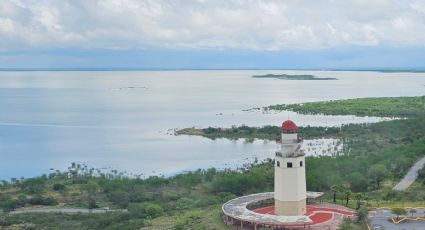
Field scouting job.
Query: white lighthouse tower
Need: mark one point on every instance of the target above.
(289, 174)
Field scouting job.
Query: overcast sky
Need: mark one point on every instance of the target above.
(212, 34)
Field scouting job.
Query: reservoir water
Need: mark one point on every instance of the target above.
(125, 120)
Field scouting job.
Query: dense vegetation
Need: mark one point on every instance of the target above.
(382, 107)
(389, 146)
(293, 77)
(359, 139)
(183, 199)
(34, 221)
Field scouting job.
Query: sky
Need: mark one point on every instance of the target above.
(216, 34)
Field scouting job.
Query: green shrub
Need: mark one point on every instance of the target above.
(58, 187)
(119, 198)
(33, 185)
(137, 210)
(153, 210)
(39, 200)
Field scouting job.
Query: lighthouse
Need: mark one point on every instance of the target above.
(289, 174)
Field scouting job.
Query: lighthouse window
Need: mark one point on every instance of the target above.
(301, 164)
(277, 163)
(289, 164)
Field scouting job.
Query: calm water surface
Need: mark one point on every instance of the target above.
(123, 120)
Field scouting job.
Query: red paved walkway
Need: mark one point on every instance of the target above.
(316, 213)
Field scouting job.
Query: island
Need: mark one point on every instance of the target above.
(293, 77)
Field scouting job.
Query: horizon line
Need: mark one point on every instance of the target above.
(377, 69)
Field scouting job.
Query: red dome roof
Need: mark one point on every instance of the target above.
(289, 125)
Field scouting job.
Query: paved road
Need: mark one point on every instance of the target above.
(64, 210)
(410, 176)
(380, 220)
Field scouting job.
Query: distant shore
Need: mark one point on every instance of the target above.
(294, 77)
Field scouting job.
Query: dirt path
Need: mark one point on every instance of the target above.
(64, 210)
(410, 176)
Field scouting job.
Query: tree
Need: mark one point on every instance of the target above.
(357, 182)
(358, 197)
(398, 211)
(377, 173)
(347, 194)
(366, 198)
(153, 210)
(361, 214)
(92, 203)
(9, 205)
(335, 189)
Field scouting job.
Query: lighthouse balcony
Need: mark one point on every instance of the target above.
(290, 141)
(298, 153)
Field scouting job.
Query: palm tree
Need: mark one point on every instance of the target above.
(366, 198)
(347, 194)
(335, 189)
(358, 197)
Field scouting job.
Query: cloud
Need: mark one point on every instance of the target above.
(214, 24)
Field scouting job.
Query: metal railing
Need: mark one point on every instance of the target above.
(294, 154)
